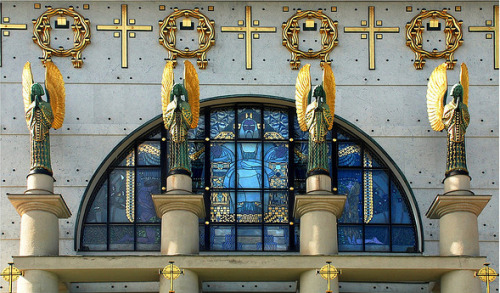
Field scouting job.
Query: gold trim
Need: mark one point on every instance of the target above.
(492, 29)
(4, 29)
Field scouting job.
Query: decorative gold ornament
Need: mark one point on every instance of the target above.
(495, 30)
(206, 36)
(11, 274)
(328, 272)
(372, 31)
(453, 35)
(487, 275)
(81, 35)
(5, 27)
(328, 33)
(171, 272)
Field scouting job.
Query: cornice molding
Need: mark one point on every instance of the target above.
(193, 203)
(52, 203)
(446, 204)
(328, 202)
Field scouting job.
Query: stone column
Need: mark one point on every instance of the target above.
(40, 211)
(457, 210)
(180, 211)
(318, 211)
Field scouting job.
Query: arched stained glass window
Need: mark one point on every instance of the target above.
(249, 161)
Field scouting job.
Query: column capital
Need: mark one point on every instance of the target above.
(52, 203)
(171, 202)
(326, 201)
(445, 204)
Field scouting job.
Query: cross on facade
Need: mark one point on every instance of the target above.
(246, 27)
(491, 26)
(5, 26)
(124, 26)
(11, 274)
(370, 28)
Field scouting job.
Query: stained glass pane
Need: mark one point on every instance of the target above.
(350, 238)
(249, 165)
(199, 131)
(249, 238)
(376, 197)
(275, 124)
(299, 134)
(349, 154)
(276, 207)
(341, 135)
(276, 165)
(222, 238)
(249, 207)
(129, 160)
(148, 183)
(148, 237)
(201, 235)
(121, 237)
(222, 124)
(370, 161)
(94, 238)
(377, 238)
(249, 123)
(297, 237)
(98, 212)
(276, 238)
(121, 196)
(222, 207)
(350, 183)
(197, 155)
(403, 239)
(148, 154)
(399, 208)
(300, 153)
(222, 167)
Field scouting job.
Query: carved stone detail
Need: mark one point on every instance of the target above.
(319, 202)
(445, 204)
(52, 203)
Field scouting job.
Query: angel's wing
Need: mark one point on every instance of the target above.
(167, 83)
(54, 85)
(192, 86)
(464, 81)
(302, 88)
(329, 88)
(436, 90)
(27, 83)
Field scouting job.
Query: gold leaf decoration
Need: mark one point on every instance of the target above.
(436, 90)
(54, 84)
(192, 85)
(302, 88)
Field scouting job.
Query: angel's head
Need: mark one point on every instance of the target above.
(457, 92)
(319, 94)
(36, 91)
(179, 92)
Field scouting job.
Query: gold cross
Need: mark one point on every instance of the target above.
(124, 26)
(490, 28)
(11, 274)
(371, 29)
(5, 26)
(249, 31)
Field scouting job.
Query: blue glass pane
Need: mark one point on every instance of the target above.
(148, 183)
(275, 124)
(222, 124)
(300, 153)
(249, 207)
(98, 212)
(350, 238)
(249, 238)
(276, 238)
(121, 237)
(148, 237)
(403, 239)
(399, 208)
(222, 238)
(202, 237)
(222, 167)
(370, 160)
(199, 131)
(377, 238)
(341, 135)
(129, 160)
(122, 196)
(299, 134)
(296, 239)
(94, 238)
(155, 134)
(376, 197)
(222, 207)
(249, 123)
(349, 154)
(350, 183)
(197, 155)
(276, 207)
(249, 165)
(148, 153)
(276, 165)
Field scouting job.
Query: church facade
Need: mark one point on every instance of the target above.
(286, 177)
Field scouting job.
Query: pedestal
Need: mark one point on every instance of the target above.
(186, 283)
(311, 282)
(462, 281)
(38, 282)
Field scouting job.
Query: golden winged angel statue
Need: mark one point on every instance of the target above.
(454, 117)
(42, 115)
(315, 113)
(181, 110)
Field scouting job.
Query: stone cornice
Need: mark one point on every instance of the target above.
(445, 204)
(319, 202)
(172, 202)
(52, 203)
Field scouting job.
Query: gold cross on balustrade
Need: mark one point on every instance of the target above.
(5, 26)
(491, 26)
(370, 28)
(124, 26)
(246, 27)
(11, 274)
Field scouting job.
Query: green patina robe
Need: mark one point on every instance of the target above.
(40, 119)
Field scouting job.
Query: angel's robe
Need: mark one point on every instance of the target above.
(318, 117)
(456, 119)
(40, 117)
(178, 118)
